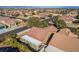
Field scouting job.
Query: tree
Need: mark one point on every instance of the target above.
(43, 24)
(77, 31)
(50, 15)
(77, 17)
(11, 41)
(76, 22)
(13, 35)
(25, 15)
(33, 13)
(59, 23)
(56, 18)
(34, 21)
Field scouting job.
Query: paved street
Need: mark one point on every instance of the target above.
(13, 31)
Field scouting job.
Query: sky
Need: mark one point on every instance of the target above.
(39, 6)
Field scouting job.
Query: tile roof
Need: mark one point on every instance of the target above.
(65, 40)
(41, 33)
(7, 20)
(67, 18)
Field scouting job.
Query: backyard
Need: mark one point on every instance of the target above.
(11, 41)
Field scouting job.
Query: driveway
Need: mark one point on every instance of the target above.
(51, 49)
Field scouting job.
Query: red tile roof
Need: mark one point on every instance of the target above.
(7, 20)
(67, 18)
(41, 33)
(65, 40)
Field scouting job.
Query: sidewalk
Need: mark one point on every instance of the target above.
(51, 49)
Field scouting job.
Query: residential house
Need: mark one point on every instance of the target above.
(73, 13)
(54, 14)
(39, 35)
(19, 22)
(7, 21)
(43, 15)
(69, 21)
(65, 40)
(67, 18)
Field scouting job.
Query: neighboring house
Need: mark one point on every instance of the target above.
(67, 18)
(19, 22)
(7, 21)
(43, 15)
(35, 16)
(39, 35)
(73, 13)
(65, 40)
(54, 14)
(27, 13)
(21, 16)
(69, 21)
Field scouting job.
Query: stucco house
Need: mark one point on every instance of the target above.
(65, 40)
(8, 22)
(38, 35)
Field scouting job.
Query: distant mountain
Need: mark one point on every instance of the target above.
(39, 6)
